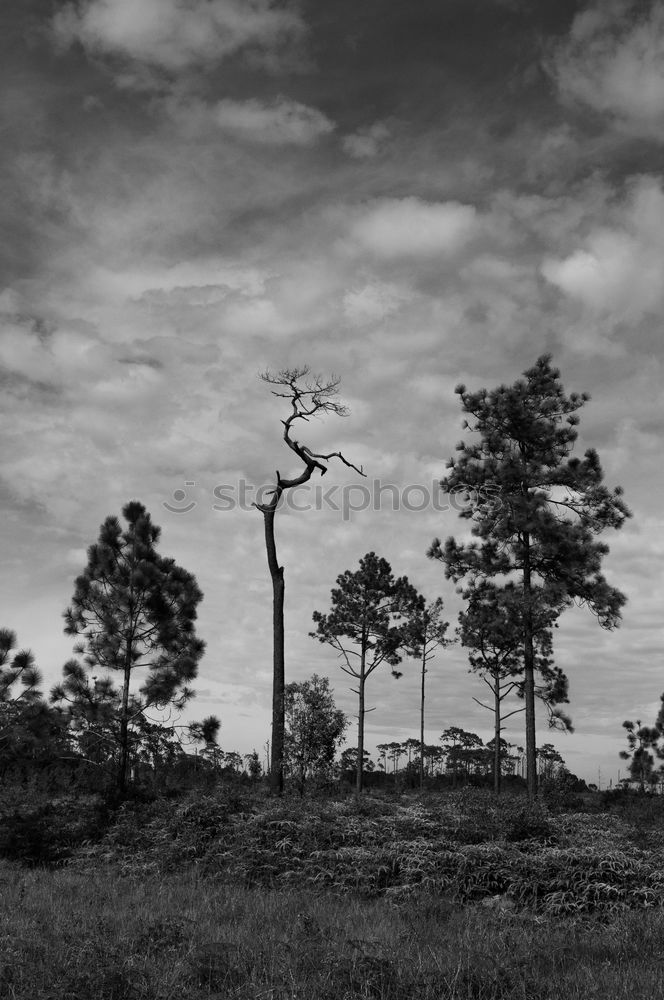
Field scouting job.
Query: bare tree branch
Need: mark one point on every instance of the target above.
(311, 399)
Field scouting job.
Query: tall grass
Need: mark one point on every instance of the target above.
(65, 936)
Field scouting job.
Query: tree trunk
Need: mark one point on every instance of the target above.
(496, 739)
(278, 662)
(360, 730)
(529, 673)
(124, 731)
(424, 663)
(124, 709)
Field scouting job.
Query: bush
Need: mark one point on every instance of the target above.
(48, 832)
(528, 821)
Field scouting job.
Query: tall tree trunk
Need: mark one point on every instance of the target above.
(529, 672)
(124, 708)
(424, 664)
(278, 662)
(124, 731)
(360, 729)
(496, 738)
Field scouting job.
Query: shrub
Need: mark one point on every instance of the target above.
(48, 832)
(528, 821)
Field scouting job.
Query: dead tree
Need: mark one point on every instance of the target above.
(309, 396)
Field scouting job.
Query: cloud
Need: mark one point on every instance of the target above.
(175, 35)
(303, 298)
(613, 62)
(195, 280)
(373, 302)
(366, 142)
(56, 358)
(282, 122)
(616, 271)
(396, 227)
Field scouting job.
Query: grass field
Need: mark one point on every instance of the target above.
(221, 896)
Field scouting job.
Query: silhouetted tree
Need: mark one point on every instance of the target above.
(31, 732)
(549, 760)
(348, 760)
(135, 612)
(412, 747)
(460, 745)
(308, 396)
(502, 752)
(433, 756)
(206, 731)
(642, 741)
(395, 753)
(19, 677)
(368, 626)
(491, 627)
(233, 761)
(254, 766)
(429, 633)
(536, 510)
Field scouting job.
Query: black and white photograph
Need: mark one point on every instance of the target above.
(332, 578)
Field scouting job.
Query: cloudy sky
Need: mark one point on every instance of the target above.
(407, 195)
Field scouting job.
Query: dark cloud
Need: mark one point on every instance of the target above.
(142, 360)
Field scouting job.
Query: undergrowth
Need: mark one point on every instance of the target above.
(467, 848)
(230, 895)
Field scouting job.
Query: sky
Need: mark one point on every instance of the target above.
(404, 196)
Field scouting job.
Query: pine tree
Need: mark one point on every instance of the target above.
(134, 611)
(550, 761)
(19, 677)
(460, 745)
(536, 510)
(491, 628)
(643, 742)
(368, 626)
(429, 633)
(30, 730)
